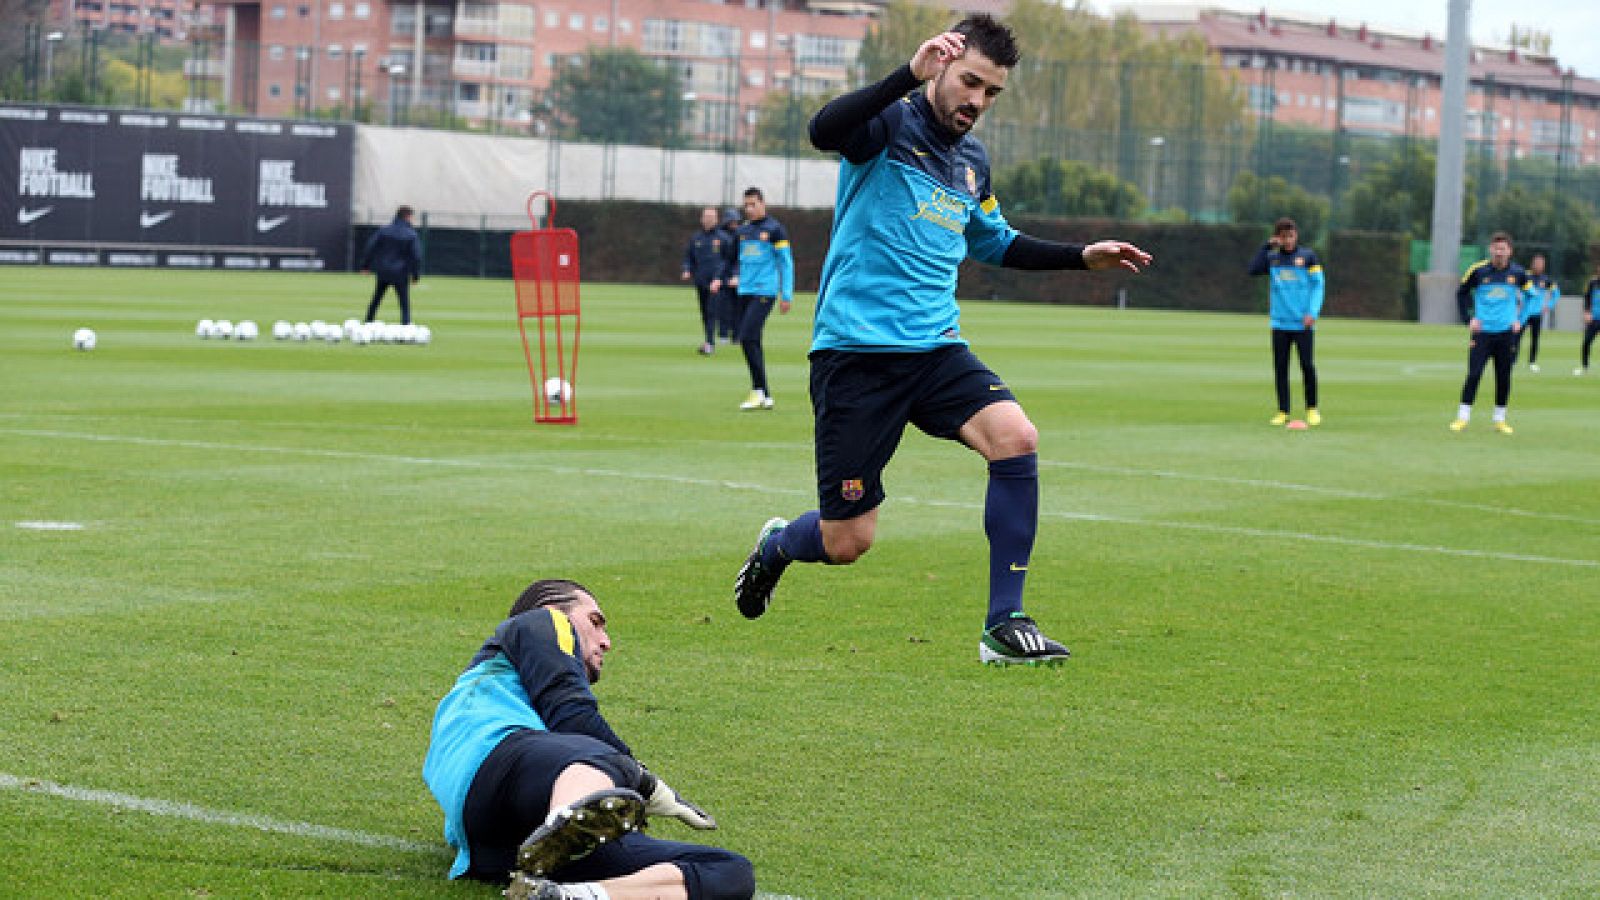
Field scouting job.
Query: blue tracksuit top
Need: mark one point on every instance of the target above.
(709, 256)
(528, 674)
(905, 217)
(393, 253)
(1591, 298)
(1297, 285)
(765, 263)
(1494, 295)
(1540, 296)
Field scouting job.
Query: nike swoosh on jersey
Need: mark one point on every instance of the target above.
(151, 220)
(29, 216)
(264, 224)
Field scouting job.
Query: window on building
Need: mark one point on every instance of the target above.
(475, 51)
(363, 10)
(552, 19)
(601, 23)
(440, 21)
(402, 20)
(275, 52)
(549, 60)
(575, 21)
(280, 11)
(335, 11)
(758, 40)
(468, 92)
(303, 11)
(1316, 101)
(334, 94)
(625, 26)
(830, 52)
(335, 51)
(274, 90)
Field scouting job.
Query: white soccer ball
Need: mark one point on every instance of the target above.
(205, 328)
(319, 328)
(351, 326)
(282, 330)
(332, 335)
(424, 335)
(302, 331)
(83, 339)
(557, 391)
(359, 335)
(223, 329)
(246, 331)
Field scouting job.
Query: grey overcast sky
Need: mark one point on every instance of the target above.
(1574, 25)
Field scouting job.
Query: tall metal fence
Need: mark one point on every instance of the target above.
(1191, 142)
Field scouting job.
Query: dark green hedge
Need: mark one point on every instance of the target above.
(1198, 266)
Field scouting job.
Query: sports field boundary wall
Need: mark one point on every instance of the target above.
(1198, 266)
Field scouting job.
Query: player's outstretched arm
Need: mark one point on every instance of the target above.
(1115, 255)
(848, 124)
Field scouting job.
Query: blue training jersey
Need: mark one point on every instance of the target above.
(765, 260)
(528, 674)
(903, 221)
(1591, 298)
(1298, 285)
(1495, 295)
(1540, 296)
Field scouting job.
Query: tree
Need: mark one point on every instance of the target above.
(1058, 187)
(15, 64)
(1256, 199)
(618, 96)
(782, 129)
(1397, 195)
(1557, 224)
(897, 34)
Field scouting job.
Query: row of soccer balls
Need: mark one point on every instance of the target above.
(353, 330)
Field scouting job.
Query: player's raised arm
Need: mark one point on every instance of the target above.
(849, 123)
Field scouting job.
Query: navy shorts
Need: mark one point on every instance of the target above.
(750, 316)
(510, 797)
(863, 401)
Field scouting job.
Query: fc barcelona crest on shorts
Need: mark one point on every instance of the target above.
(852, 490)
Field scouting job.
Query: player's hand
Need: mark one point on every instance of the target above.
(935, 53)
(733, 282)
(783, 307)
(1588, 318)
(664, 801)
(1274, 242)
(1516, 327)
(1115, 255)
(716, 285)
(1309, 321)
(1475, 325)
(684, 277)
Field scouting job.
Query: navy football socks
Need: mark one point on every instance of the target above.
(1011, 520)
(799, 541)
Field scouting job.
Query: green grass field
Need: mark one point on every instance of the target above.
(1357, 661)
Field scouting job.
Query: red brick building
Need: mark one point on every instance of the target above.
(489, 61)
(1305, 72)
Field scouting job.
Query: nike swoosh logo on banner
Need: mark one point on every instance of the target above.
(151, 220)
(29, 216)
(264, 224)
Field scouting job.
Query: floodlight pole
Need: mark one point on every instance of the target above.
(1436, 288)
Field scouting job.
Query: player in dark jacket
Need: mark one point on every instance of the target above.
(394, 257)
(520, 741)
(706, 261)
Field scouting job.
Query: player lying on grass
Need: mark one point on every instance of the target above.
(536, 787)
(914, 201)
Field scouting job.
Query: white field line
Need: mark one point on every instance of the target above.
(50, 526)
(194, 813)
(1273, 534)
(1317, 489)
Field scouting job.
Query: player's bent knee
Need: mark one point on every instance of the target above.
(719, 875)
(623, 770)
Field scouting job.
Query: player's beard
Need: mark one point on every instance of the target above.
(947, 114)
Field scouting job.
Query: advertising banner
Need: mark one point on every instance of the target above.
(91, 187)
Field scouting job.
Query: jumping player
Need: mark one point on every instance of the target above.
(914, 200)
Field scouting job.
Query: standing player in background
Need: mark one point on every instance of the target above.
(914, 201)
(1591, 320)
(394, 257)
(1543, 293)
(1295, 304)
(728, 297)
(1492, 292)
(764, 274)
(705, 261)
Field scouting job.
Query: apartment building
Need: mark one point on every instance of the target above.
(1321, 72)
